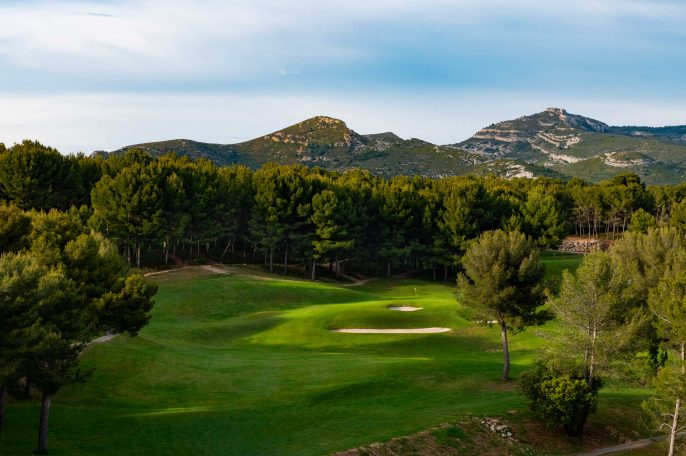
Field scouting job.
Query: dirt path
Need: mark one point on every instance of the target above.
(224, 269)
(355, 281)
(215, 269)
(634, 445)
(167, 271)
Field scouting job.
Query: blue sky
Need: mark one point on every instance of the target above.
(85, 75)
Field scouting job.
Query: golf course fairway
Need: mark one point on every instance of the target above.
(246, 365)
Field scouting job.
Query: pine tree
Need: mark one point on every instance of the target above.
(502, 280)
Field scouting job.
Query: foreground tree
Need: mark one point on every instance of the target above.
(502, 279)
(94, 293)
(68, 286)
(24, 283)
(591, 335)
(644, 259)
(668, 303)
(591, 338)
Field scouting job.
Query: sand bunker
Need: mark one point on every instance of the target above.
(391, 331)
(404, 308)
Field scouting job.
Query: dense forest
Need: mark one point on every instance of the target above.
(172, 210)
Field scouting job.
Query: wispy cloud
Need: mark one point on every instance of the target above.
(92, 13)
(612, 51)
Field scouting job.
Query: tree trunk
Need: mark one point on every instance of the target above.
(591, 361)
(221, 260)
(506, 351)
(138, 255)
(43, 424)
(677, 404)
(388, 269)
(675, 424)
(314, 268)
(271, 260)
(2, 407)
(285, 261)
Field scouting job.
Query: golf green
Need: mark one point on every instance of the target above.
(247, 365)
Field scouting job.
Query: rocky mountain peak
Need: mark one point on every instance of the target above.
(558, 111)
(577, 121)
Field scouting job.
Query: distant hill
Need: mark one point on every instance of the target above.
(578, 146)
(550, 143)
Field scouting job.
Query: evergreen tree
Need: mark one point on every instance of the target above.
(25, 286)
(592, 333)
(668, 303)
(128, 208)
(329, 213)
(502, 280)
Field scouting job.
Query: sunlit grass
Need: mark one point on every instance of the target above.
(236, 365)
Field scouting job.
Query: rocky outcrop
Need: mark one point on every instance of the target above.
(580, 122)
(583, 245)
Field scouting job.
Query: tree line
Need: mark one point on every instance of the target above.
(171, 209)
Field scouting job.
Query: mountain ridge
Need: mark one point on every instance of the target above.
(552, 143)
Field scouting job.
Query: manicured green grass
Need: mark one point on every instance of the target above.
(247, 366)
(555, 262)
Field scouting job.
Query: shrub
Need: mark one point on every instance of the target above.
(559, 398)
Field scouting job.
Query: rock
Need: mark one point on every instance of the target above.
(579, 245)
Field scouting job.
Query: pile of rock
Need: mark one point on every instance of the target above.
(494, 425)
(580, 245)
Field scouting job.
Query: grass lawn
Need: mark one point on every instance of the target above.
(242, 365)
(555, 262)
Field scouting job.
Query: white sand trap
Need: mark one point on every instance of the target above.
(405, 308)
(391, 331)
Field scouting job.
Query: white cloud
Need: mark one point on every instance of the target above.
(158, 40)
(83, 75)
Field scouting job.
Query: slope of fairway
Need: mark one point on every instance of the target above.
(242, 365)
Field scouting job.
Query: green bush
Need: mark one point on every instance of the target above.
(560, 399)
